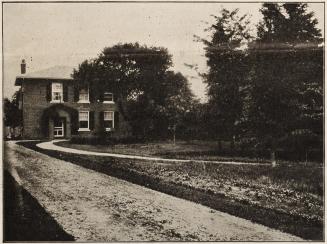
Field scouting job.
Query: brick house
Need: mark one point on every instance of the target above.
(54, 107)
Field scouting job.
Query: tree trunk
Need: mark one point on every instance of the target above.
(232, 145)
(273, 153)
(174, 134)
(273, 158)
(122, 107)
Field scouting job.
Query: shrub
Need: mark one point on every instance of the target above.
(104, 140)
(92, 140)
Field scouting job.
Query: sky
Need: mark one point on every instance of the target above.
(50, 34)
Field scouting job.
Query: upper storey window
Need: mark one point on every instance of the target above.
(57, 92)
(108, 97)
(84, 95)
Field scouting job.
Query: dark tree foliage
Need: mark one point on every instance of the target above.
(12, 112)
(266, 90)
(144, 90)
(300, 24)
(288, 23)
(195, 123)
(179, 97)
(178, 103)
(287, 75)
(228, 71)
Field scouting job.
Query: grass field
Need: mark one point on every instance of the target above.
(148, 149)
(288, 197)
(201, 150)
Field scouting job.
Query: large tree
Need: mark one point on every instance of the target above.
(228, 71)
(12, 111)
(287, 68)
(178, 102)
(143, 87)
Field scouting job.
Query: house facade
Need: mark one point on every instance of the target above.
(54, 106)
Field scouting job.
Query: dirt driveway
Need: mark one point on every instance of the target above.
(96, 207)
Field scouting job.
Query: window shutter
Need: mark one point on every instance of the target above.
(48, 93)
(101, 119)
(91, 94)
(65, 87)
(91, 120)
(74, 122)
(116, 119)
(76, 93)
(101, 96)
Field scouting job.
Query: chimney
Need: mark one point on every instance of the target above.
(23, 67)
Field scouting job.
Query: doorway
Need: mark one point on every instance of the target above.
(59, 128)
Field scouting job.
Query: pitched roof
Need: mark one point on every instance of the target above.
(55, 73)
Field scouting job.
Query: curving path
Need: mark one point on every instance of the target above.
(49, 145)
(96, 207)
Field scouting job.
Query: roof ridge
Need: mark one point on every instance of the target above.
(56, 72)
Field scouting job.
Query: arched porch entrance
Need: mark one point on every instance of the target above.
(59, 121)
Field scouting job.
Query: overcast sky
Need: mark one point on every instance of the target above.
(49, 34)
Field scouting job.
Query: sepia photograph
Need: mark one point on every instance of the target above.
(163, 121)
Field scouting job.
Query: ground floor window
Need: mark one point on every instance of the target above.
(83, 120)
(108, 120)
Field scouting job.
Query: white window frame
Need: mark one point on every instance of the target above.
(88, 120)
(108, 101)
(53, 90)
(88, 96)
(113, 120)
(59, 128)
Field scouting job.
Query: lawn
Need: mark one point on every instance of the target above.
(148, 149)
(288, 197)
(200, 150)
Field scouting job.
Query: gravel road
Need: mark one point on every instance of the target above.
(95, 207)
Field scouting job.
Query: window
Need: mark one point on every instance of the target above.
(58, 128)
(108, 97)
(84, 95)
(57, 92)
(83, 120)
(108, 117)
